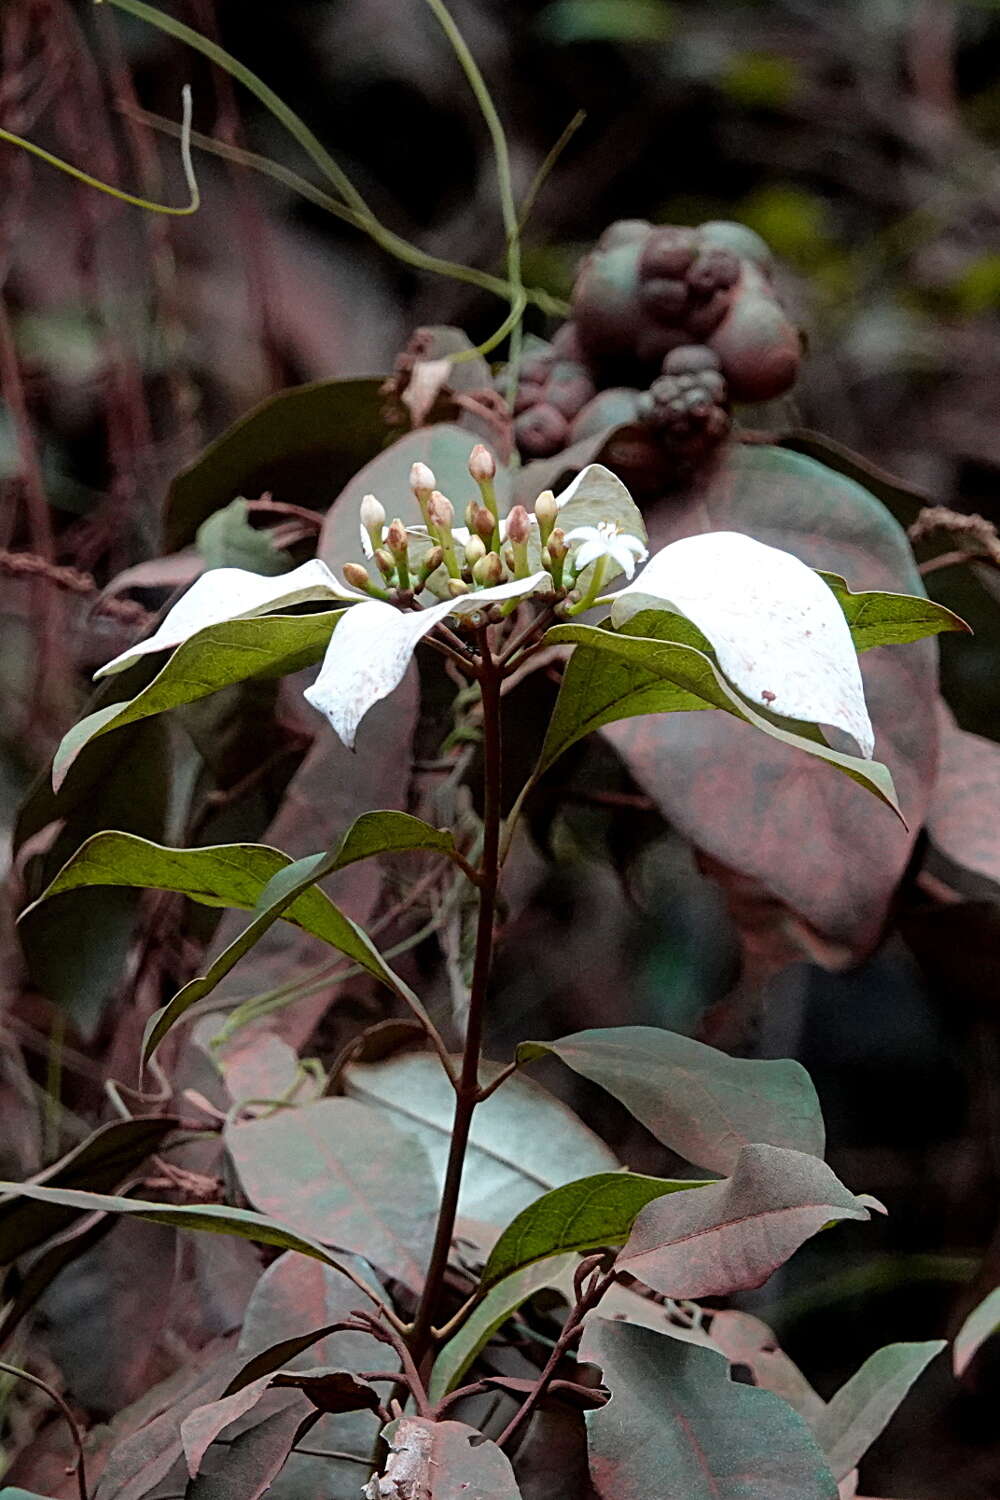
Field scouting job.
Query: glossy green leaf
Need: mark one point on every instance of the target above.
(732, 1234)
(500, 1303)
(100, 1162)
(862, 1409)
(523, 1140)
(301, 444)
(702, 1103)
(982, 1323)
(582, 1215)
(341, 1173)
(878, 618)
(235, 651)
(679, 1428)
(373, 833)
(616, 675)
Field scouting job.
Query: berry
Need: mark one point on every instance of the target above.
(668, 251)
(569, 387)
(541, 431)
(686, 406)
(664, 299)
(713, 271)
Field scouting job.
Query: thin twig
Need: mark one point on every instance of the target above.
(71, 1422)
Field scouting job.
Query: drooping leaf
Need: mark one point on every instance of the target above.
(523, 1141)
(878, 618)
(300, 445)
(373, 833)
(500, 1303)
(732, 1234)
(100, 1162)
(36, 1275)
(863, 1408)
(982, 1323)
(963, 825)
(234, 651)
(745, 1340)
(444, 1461)
(212, 1218)
(254, 1458)
(744, 800)
(678, 1428)
(582, 1215)
(339, 1172)
(700, 1102)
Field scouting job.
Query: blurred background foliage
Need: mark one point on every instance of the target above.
(862, 139)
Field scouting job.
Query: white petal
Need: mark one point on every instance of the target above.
(778, 632)
(235, 594)
(371, 648)
(622, 555)
(590, 552)
(598, 495)
(583, 534)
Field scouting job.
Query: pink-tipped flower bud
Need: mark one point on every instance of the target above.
(440, 511)
(457, 587)
(471, 512)
(356, 576)
(483, 524)
(475, 548)
(482, 464)
(422, 480)
(518, 525)
(386, 562)
(488, 571)
(556, 545)
(431, 563)
(396, 539)
(509, 559)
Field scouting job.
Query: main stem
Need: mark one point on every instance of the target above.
(467, 1089)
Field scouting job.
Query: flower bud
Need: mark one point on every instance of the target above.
(396, 539)
(431, 563)
(457, 587)
(482, 464)
(440, 511)
(471, 512)
(508, 557)
(356, 576)
(557, 544)
(475, 548)
(386, 562)
(373, 518)
(483, 524)
(488, 571)
(422, 480)
(546, 511)
(518, 525)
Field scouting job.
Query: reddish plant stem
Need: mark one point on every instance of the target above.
(467, 1087)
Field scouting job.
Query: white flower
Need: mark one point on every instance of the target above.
(235, 594)
(605, 540)
(777, 630)
(371, 648)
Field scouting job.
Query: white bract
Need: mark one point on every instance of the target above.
(777, 630)
(371, 648)
(236, 594)
(605, 541)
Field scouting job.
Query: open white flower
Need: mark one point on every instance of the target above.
(605, 540)
(371, 649)
(777, 630)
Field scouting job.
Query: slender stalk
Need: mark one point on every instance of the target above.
(467, 1089)
(80, 1466)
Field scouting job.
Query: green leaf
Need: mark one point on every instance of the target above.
(679, 1428)
(607, 21)
(302, 444)
(102, 1161)
(500, 1303)
(877, 618)
(523, 1140)
(620, 676)
(903, 500)
(211, 1218)
(227, 540)
(982, 1323)
(862, 1409)
(734, 1233)
(236, 651)
(250, 877)
(582, 1215)
(702, 1103)
(338, 1171)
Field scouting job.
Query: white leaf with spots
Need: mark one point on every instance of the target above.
(776, 628)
